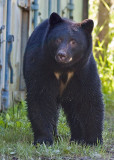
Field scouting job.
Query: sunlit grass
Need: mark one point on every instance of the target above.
(16, 139)
(16, 135)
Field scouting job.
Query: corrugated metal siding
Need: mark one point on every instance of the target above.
(21, 28)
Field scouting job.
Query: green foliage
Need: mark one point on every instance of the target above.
(105, 62)
(106, 72)
(12, 117)
(105, 65)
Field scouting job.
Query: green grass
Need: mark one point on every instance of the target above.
(16, 136)
(16, 139)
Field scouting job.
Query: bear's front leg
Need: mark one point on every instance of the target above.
(92, 122)
(91, 116)
(85, 114)
(42, 110)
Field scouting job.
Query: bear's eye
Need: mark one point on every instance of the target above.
(73, 42)
(58, 41)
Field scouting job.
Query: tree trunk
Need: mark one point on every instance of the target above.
(103, 25)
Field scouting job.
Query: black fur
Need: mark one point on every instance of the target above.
(81, 99)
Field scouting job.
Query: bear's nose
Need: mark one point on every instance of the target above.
(62, 55)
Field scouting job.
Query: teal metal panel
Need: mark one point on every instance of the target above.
(58, 6)
(49, 7)
(34, 7)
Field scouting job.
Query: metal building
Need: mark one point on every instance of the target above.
(18, 18)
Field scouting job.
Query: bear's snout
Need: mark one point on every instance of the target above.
(62, 57)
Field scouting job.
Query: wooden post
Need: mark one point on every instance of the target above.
(85, 9)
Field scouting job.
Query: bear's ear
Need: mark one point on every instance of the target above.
(87, 25)
(54, 19)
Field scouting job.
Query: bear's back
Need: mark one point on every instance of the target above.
(38, 34)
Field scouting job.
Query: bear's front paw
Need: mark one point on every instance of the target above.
(94, 141)
(47, 141)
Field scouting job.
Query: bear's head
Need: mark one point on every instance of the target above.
(69, 42)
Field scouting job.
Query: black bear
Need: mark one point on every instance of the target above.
(59, 68)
